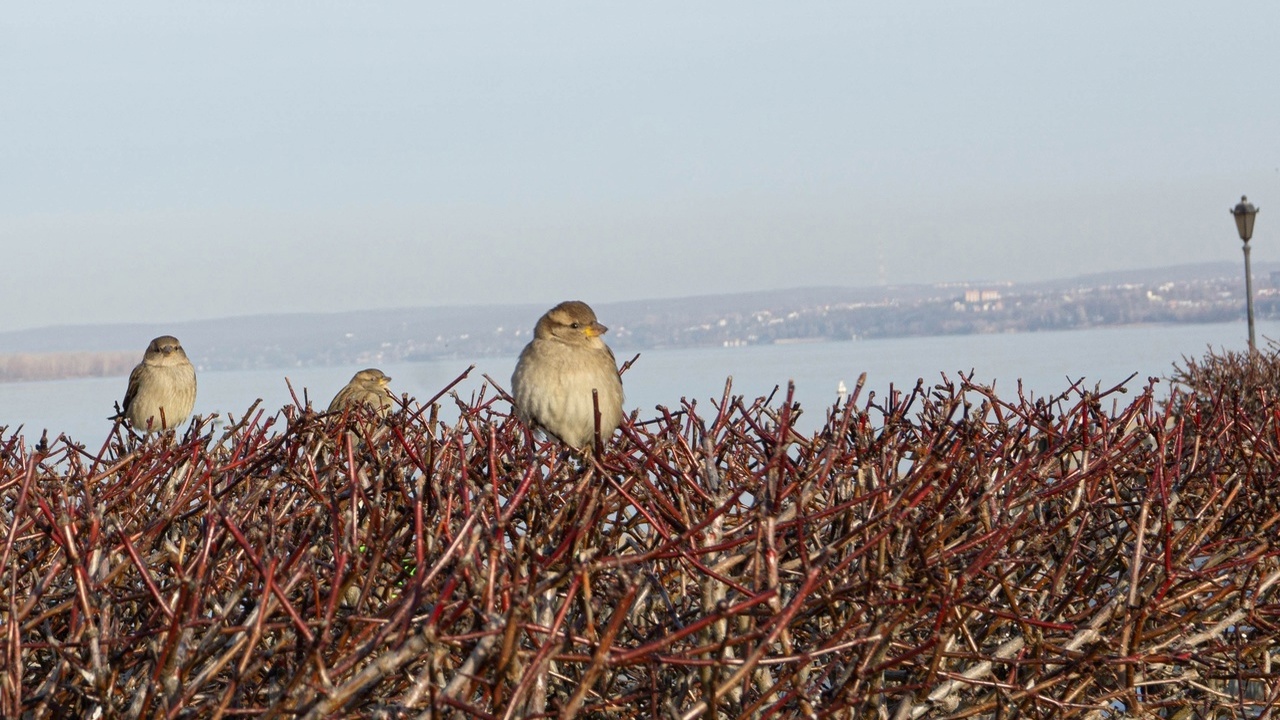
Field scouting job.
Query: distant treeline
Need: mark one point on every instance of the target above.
(58, 366)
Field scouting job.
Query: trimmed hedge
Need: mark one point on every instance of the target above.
(935, 552)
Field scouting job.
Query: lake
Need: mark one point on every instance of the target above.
(1043, 361)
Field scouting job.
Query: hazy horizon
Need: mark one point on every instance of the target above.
(146, 329)
(259, 159)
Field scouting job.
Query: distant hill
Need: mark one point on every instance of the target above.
(1231, 271)
(813, 313)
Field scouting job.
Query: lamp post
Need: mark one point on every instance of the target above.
(1245, 213)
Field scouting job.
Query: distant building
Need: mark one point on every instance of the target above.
(981, 300)
(981, 296)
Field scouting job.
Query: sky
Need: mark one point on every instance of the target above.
(165, 161)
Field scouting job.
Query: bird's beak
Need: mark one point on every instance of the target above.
(595, 329)
(384, 381)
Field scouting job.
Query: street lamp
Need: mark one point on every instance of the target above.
(1245, 213)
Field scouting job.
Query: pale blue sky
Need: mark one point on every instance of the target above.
(315, 156)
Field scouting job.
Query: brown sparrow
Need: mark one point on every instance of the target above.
(367, 387)
(557, 371)
(162, 388)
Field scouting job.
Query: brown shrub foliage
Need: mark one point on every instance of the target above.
(1251, 380)
(936, 552)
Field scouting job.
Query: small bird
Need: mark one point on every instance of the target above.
(557, 371)
(367, 387)
(162, 388)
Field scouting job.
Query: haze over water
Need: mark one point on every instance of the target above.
(1044, 362)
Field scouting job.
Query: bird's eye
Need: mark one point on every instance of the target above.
(575, 326)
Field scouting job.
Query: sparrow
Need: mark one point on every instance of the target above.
(162, 388)
(557, 371)
(367, 387)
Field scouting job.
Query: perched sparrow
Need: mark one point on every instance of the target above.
(367, 387)
(162, 388)
(558, 370)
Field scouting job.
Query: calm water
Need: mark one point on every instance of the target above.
(1044, 362)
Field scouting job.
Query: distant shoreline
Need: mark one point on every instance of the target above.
(1186, 295)
(74, 365)
(41, 367)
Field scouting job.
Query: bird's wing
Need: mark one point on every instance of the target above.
(340, 399)
(134, 379)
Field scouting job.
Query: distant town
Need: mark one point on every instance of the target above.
(1188, 294)
(961, 310)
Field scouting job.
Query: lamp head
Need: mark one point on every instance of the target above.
(1245, 213)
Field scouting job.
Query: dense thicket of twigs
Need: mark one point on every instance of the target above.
(934, 552)
(1251, 380)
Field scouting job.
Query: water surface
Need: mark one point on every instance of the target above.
(1046, 362)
